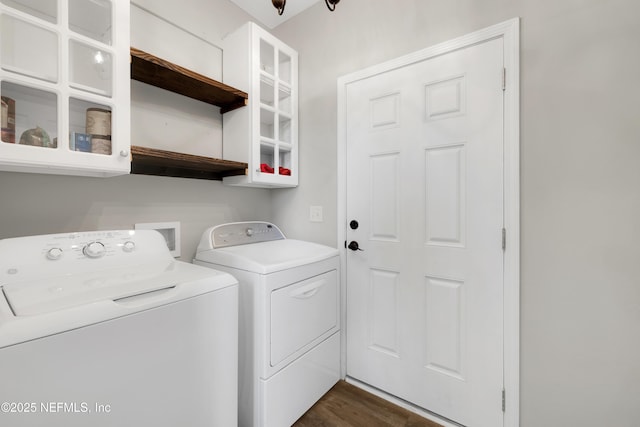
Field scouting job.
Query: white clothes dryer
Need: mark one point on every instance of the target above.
(289, 340)
(106, 329)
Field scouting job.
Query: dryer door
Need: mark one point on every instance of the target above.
(303, 314)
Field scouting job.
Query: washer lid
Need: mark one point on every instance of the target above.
(34, 297)
(268, 257)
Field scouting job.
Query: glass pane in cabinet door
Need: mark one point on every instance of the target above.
(267, 158)
(267, 123)
(284, 67)
(284, 98)
(267, 55)
(45, 10)
(284, 129)
(89, 127)
(266, 91)
(90, 68)
(285, 162)
(91, 18)
(28, 49)
(29, 116)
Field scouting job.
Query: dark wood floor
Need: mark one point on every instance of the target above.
(346, 405)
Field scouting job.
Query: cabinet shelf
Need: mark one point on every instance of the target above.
(150, 161)
(157, 72)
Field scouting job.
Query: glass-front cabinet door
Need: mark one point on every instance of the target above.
(276, 113)
(265, 134)
(64, 83)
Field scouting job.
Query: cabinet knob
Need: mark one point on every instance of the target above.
(124, 153)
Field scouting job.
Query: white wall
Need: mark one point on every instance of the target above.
(580, 145)
(189, 36)
(42, 204)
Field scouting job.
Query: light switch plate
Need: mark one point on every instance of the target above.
(315, 213)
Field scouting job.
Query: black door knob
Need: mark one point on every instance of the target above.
(354, 224)
(353, 245)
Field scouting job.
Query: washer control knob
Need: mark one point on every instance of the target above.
(249, 232)
(94, 250)
(128, 246)
(54, 254)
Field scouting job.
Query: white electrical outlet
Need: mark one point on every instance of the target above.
(315, 213)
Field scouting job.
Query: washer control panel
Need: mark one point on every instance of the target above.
(93, 245)
(242, 233)
(53, 254)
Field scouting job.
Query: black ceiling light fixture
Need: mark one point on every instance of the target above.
(331, 4)
(280, 4)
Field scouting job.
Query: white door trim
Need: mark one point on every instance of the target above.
(509, 31)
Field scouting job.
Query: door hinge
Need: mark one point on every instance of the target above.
(504, 79)
(504, 400)
(504, 239)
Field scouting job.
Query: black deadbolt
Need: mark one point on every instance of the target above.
(354, 224)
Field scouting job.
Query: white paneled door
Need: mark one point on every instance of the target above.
(425, 186)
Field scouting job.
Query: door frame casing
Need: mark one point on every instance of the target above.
(509, 32)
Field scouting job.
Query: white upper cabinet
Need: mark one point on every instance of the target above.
(264, 134)
(65, 86)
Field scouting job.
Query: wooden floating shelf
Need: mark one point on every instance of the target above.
(163, 74)
(157, 72)
(150, 161)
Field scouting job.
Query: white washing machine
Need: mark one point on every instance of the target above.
(289, 318)
(107, 329)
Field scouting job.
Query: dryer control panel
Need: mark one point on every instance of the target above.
(242, 233)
